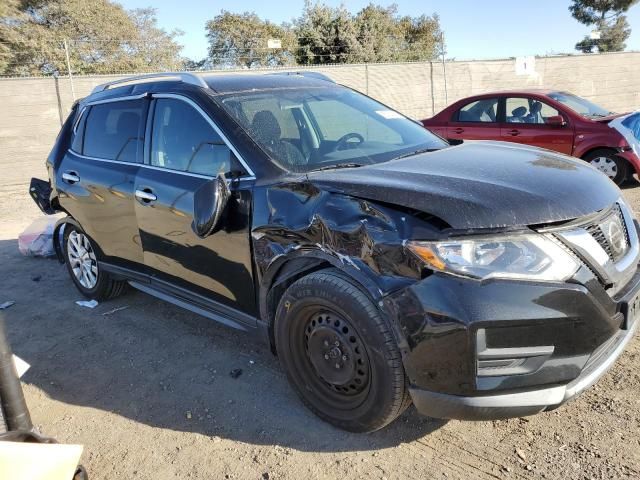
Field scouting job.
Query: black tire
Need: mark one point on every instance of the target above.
(357, 384)
(104, 287)
(610, 164)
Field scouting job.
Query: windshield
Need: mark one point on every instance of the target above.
(326, 127)
(580, 105)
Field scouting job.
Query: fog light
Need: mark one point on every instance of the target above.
(491, 362)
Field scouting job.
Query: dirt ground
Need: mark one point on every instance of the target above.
(147, 391)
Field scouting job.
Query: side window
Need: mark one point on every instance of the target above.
(528, 110)
(484, 111)
(78, 134)
(182, 139)
(114, 130)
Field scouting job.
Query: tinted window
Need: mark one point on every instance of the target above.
(484, 111)
(182, 139)
(78, 134)
(114, 130)
(528, 110)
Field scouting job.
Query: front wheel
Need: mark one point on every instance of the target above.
(610, 164)
(81, 259)
(339, 353)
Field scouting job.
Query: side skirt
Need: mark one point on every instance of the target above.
(191, 301)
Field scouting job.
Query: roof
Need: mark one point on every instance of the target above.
(239, 82)
(523, 91)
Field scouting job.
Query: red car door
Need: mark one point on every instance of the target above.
(531, 121)
(477, 120)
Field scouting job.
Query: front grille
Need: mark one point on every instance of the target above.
(595, 231)
(611, 234)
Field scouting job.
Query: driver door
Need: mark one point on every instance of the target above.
(184, 151)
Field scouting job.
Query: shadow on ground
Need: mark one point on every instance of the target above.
(162, 366)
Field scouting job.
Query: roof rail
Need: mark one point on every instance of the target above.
(185, 77)
(316, 75)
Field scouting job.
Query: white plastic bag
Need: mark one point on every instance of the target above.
(37, 239)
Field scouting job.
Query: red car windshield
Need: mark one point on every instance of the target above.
(580, 105)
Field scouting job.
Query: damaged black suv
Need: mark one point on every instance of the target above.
(382, 265)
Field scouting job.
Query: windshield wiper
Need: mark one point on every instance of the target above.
(337, 166)
(416, 152)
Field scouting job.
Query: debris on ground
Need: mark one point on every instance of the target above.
(235, 373)
(5, 305)
(114, 310)
(87, 303)
(37, 239)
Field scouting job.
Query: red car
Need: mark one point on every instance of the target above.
(542, 118)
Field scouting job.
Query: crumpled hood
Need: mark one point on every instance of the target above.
(481, 185)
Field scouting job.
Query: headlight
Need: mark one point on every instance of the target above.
(525, 256)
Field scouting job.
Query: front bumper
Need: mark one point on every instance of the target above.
(509, 405)
(583, 326)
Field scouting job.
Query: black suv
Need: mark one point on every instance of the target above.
(381, 264)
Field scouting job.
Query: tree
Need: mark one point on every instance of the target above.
(102, 38)
(374, 34)
(154, 47)
(327, 35)
(241, 39)
(607, 16)
(386, 37)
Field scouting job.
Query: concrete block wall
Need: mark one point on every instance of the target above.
(32, 108)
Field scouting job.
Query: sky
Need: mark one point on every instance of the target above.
(473, 29)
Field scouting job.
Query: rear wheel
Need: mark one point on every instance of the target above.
(82, 263)
(610, 164)
(339, 353)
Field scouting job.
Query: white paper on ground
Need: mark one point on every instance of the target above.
(87, 303)
(21, 365)
(38, 461)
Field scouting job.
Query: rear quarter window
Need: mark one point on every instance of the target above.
(113, 131)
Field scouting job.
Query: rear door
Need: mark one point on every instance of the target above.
(477, 120)
(525, 122)
(96, 176)
(185, 151)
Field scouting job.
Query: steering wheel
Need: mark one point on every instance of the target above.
(342, 141)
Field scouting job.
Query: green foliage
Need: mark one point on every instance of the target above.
(606, 16)
(101, 35)
(240, 39)
(323, 35)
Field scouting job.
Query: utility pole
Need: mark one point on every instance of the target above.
(444, 69)
(66, 52)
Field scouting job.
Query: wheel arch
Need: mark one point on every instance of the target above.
(286, 270)
(591, 150)
(58, 236)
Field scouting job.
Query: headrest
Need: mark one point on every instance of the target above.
(265, 126)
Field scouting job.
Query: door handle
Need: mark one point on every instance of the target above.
(458, 130)
(514, 132)
(70, 177)
(146, 195)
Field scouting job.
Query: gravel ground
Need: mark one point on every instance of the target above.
(147, 391)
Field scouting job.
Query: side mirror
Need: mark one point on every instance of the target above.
(209, 204)
(556, 121)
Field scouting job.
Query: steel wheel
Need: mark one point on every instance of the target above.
(82, 259)
(336, 355)
(606, 165)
